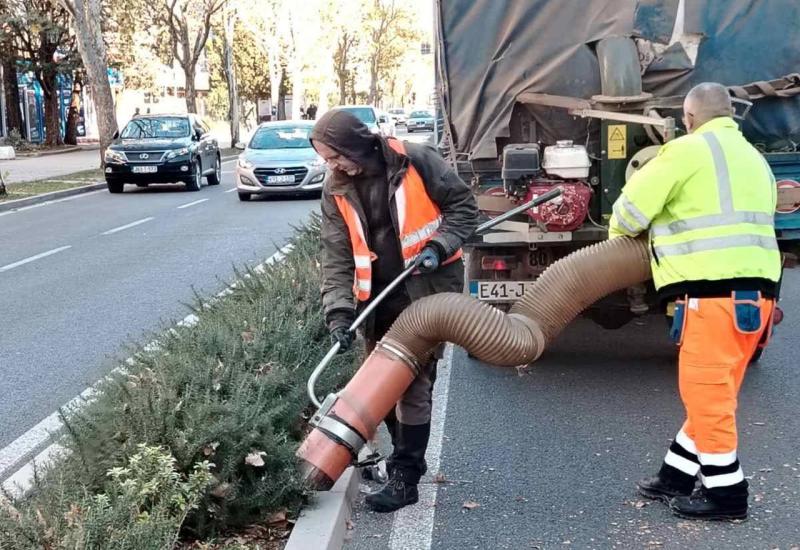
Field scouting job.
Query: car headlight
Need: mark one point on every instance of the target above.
(246, 164)
(178, 153)
(117, 157)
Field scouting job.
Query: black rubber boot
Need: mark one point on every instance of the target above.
(669, 482)
(721, 503)
(393, 496)
(408, 466)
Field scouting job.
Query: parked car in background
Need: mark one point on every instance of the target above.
(376, 120)
(163, 149)
(419, 120)
(279, 160)
(398, 116)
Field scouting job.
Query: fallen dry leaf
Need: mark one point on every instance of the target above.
(248, 336)
(471, 505)
(278, 519)
(439, 478)
(350, 525)
(209, 448)
(255, 459)
(222, 490)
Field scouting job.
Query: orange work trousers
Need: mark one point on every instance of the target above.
(714, 353)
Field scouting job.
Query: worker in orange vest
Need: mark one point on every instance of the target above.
(387, 205)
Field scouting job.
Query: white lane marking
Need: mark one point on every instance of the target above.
(187, 205)
(38, 205)
(412, 528)
(34, 258)
(36, 437)
(127, 226)
(231, 190)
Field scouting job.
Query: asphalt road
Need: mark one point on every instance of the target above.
(94, 282)
(551, 456)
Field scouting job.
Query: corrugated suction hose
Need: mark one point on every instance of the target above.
(565, 289)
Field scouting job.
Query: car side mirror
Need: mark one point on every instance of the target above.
(240, 145)
(383, 120)
(115, 135)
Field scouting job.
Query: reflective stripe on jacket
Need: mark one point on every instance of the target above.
(418, 218)
(708, 201)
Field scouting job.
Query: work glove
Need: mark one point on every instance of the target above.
(428, 259)
(344, 337)
(339, 321)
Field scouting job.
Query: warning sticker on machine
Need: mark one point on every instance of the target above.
(617, 141)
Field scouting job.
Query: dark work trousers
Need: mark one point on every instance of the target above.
(409, 423)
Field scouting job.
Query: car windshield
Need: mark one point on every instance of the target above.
(420, 114)
(397, 111)
(288, 137)
(364, 114)
(156, 128)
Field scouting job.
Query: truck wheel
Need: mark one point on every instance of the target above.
(610, 319)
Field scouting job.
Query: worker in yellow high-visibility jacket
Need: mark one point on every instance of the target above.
(707, 201)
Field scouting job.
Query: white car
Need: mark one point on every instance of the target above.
(376, 120)
(398, 115)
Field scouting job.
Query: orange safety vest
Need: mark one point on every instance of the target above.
(417, 215)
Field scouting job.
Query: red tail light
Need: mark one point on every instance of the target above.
(498, 263)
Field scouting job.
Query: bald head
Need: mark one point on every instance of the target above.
(704, 102)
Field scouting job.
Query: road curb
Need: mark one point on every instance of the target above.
(28, 201)
(323, 524)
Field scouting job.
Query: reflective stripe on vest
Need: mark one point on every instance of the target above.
(362, 255)
(418, 217)
(728, 216)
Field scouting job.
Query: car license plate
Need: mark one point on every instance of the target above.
(145, 169)
(280, 179)
(499, 291)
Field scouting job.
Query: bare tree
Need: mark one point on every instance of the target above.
(342, 56)
(389, 24)
(268, 35)
(189, 24)
(8, 62)
(86, 18)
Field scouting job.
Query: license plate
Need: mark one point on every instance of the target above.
(499, 291)
(145, 169)
(280, 179)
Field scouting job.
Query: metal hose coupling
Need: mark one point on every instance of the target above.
(565, 289)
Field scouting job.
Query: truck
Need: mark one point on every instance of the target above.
(581, 94)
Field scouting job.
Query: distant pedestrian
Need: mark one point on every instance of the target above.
(136, 113)
(312, 112)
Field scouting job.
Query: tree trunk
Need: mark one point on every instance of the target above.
(230, 77)
(373, 81)
(74, 113)
(86, 15)
(298, 92)
(11, 88)
(189, 71)
(52, 120)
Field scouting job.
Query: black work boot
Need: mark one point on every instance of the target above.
(396, 494)
(669, 482)
(407, 467)
(720, 503)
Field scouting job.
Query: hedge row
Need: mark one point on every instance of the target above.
(199, 433)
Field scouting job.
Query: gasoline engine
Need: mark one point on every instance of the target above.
(565, 165)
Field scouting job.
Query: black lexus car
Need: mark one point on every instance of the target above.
(163, 149)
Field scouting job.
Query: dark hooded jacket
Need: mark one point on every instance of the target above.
(372, 195)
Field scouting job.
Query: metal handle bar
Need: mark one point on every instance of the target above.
(312, 380)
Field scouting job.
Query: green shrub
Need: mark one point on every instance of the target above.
(229, 390)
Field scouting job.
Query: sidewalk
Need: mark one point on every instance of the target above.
(49, 166)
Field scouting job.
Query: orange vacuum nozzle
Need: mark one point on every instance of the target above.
(346, 420)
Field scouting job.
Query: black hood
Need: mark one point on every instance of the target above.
(346, 134)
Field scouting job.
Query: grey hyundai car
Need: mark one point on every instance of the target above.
(279, 160)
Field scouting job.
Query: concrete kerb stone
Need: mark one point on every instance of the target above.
(29, 201)
(323, 524)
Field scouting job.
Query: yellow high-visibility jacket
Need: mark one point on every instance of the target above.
(708, 201)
